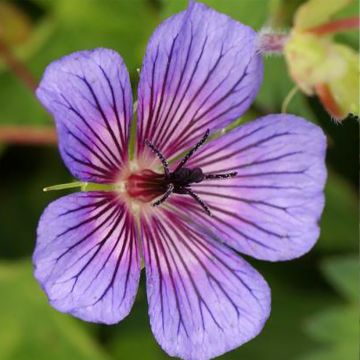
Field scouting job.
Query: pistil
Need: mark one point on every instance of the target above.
(145, 185)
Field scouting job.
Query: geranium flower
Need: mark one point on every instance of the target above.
(257, 190)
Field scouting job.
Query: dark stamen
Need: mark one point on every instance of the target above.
(180, 180)
(191, 152)
(160, 156)
(197, 199)
(165, 195)
(220, 176)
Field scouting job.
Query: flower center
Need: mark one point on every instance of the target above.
(145, 185)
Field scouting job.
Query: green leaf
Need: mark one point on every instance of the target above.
(340, 318)
(250, 12)
(343, 274)
(123, 25)
(18, 105)
(337, 328)
(340, 352)
(339, 222)
(29, 325)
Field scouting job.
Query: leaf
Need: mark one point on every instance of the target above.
(250, 12)
(343, 274)
(18, 105)
(336, 328)
(29, 325)
(123, 25)
(340, 318)
(337, 353)
(339, 221)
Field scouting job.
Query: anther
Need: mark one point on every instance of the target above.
(180, 180)
(160, 156)
(198, 200)
(191, 152)
(165, 195)
(220, 176)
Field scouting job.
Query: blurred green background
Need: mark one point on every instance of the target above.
(315, 298)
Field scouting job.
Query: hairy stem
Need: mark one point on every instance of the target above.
(17, 67)
(27, 135)
(336, 26)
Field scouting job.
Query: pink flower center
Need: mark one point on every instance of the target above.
(145, 185)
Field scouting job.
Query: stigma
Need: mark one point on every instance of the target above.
(145, 185)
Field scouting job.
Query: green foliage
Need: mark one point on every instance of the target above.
(340, 216)
(249, 12)
(343, 274)
(115, 19)
(337, 327)
(31, 329)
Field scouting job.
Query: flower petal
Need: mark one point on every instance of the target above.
(271, 208)
(203, 298)
(201, 71)
(89, 94)
(86, 257)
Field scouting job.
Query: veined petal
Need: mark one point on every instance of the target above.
(203, 298)
(271, 209)
(89, 95)
(86, 256)
(201, 71)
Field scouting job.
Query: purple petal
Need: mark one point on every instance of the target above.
(203, 299)
(271, 209)
(86, 257)
(89, 95)
(201, 71)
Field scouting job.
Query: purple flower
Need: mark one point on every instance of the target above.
(257, 190)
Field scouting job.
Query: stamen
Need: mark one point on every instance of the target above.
(165, 196)
(160, 156)
(197, 199)
(84, 186)
(191, 152)
(178, 181)
(220, 176)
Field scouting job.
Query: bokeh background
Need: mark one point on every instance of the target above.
(315, 298)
